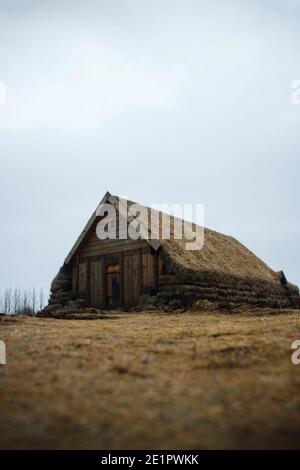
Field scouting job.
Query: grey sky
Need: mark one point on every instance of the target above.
(161, 101)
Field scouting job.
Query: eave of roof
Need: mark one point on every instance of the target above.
(107, 198)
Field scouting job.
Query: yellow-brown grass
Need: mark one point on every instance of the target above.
(151, 380)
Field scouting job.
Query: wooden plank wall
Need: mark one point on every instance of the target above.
(97, 293)
(139, 266)
(92, 246)
(82, 280)
(131, 279)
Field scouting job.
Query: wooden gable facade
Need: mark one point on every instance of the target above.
(113, 273)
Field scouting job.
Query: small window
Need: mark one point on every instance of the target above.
(112, 268)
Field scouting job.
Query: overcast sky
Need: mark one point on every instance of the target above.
(161, 101)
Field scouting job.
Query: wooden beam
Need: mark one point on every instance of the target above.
(156, 270)
(88, 282)
(104, 282)
(77, 280)
(122, 279)
(86, 229)
(140, 272)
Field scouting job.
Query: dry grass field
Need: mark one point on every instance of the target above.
(205, 380)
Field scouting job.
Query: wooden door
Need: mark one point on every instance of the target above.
(113, 285)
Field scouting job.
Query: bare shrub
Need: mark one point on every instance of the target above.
(21, 302)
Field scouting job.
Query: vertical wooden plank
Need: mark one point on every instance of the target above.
(82, 280)
(130, 280)
(109, 278)
(77, 287)
(155, 268)
(100, 285)
(145, 271)
(150, 271)
(122, 279)
(125, 268)
(74, 278)
(160, 265)
(95, 283)
(103, 270)
(127, 280)
(99, 282)
(140, 272)
(88, 283)
(135, 279)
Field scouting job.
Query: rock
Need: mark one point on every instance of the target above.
(147, 299)
(75, 304)
(51, 307)
(175, 304)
